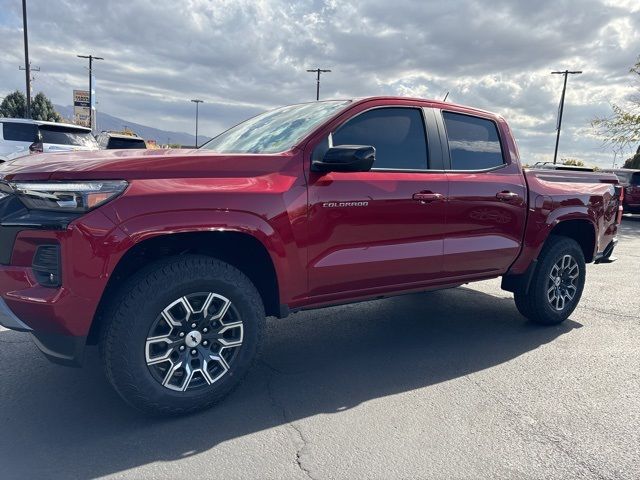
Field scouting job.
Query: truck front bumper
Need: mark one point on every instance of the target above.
(59, 317)
(9, 320)
(62, 349)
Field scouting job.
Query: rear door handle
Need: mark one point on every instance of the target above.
(506, 196)
(427, 197)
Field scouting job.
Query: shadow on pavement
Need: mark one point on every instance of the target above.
(630, 228)
(68, 423)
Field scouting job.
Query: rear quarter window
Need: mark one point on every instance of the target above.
(19, 132)
(474, 143)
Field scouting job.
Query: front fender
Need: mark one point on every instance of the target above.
(145, 227)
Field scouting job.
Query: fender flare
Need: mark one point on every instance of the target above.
(148, 226)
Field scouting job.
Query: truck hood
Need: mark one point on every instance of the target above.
(141, 164)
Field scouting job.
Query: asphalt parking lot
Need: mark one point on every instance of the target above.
(450, 384)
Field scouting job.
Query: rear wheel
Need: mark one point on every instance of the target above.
(557, 283)
(182, 334)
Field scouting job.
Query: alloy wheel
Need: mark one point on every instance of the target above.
(562, 282)
(194, 341)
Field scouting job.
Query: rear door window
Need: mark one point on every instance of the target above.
(19, 132)
(398, 135)
(474, 143)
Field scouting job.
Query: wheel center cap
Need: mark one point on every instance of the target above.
(193, 339)
(557, 281)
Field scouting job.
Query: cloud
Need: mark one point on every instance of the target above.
(245, 56)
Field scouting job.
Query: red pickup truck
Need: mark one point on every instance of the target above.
(170, 260)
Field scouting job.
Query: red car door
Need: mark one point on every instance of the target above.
(383, 229)
(486, 211)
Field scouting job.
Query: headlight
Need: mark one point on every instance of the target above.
(67, 196)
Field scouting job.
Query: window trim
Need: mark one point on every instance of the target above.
(426, 137)
(445, 143)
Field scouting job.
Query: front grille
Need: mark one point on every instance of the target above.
(46, 265)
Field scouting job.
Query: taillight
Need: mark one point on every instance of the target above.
(620, 208)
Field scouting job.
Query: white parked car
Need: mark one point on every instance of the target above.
(20, 137)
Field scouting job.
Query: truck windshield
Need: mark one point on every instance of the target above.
(274, 131)
(628, 178)
(126, 143)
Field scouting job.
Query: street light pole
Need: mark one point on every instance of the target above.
(91, 59)
(318, 71)
(566, 73)
(27, 65)
(197, 101)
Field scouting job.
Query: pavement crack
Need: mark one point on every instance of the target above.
(303, 442)
(556, 439)
(607, 312)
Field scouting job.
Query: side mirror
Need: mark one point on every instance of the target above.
(346, 158)
(36, 147)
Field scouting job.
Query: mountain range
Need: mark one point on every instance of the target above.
(104, 121)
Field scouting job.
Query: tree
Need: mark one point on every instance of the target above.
(633, 162)
(573, 162)
(42, 109)
(14, 104)
(622, 128)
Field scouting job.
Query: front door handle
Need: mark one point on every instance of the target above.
(506, 196)
(425, 197)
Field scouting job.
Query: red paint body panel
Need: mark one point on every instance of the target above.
(390, 239)
(632, 199)
(333, 237)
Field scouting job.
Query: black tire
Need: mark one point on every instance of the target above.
(142, 305)
(536, 304)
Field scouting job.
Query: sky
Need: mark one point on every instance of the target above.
(245, 56)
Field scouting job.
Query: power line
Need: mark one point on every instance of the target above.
(318, 71)
(566, 73)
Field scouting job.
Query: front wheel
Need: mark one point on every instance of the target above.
(557, 283)
(182, 334)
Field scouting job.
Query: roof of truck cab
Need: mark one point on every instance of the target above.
(42, 122)
(435, 103)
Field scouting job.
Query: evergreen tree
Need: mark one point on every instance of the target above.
(14, 105)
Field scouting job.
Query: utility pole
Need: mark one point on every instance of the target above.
(566, 73)
(318, 71)
(91, 59)
(197, 101)
(27, 64)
